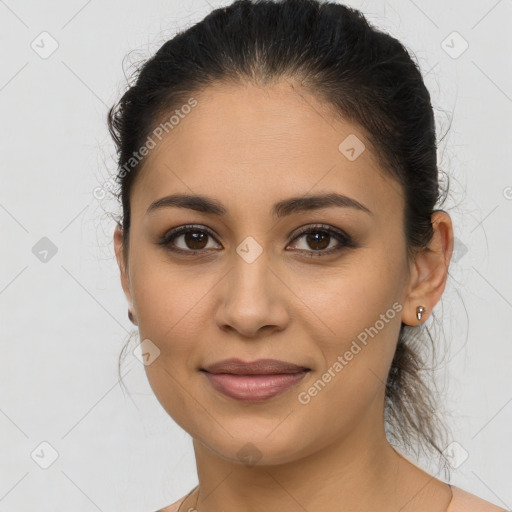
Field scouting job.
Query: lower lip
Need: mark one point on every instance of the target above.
(253, 388)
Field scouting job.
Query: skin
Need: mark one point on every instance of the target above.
(249, 147)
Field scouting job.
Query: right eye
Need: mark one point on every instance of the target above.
(194, 239)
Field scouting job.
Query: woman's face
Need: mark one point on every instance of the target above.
(255, 288)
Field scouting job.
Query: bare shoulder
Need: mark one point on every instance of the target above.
(174, 507)
(464, 501)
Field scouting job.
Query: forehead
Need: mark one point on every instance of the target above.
(249, 144)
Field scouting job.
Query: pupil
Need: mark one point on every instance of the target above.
(192, 238)
(315, 244)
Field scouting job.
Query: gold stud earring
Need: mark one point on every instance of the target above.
(419, 312)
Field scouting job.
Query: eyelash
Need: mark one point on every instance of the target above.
(344, 240)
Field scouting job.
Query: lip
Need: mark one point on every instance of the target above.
(253, 381)
(258, 367)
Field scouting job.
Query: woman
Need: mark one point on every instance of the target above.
(280, 248)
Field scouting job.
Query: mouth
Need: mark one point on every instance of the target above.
(254, 381)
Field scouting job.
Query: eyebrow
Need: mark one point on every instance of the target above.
(280, 209)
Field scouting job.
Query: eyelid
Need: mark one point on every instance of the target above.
(180, 230)
(306, 228)
(345, 240)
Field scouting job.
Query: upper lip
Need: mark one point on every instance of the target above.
(258, 367)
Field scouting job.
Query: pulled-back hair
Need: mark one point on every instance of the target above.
(365, 76)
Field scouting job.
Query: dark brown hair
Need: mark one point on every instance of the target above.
(365, 76)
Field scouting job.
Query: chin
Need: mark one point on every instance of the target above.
(250, 442)
(253, 452)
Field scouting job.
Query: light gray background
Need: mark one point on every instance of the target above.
(63, 321)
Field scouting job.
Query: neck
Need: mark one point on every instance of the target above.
(359, 472)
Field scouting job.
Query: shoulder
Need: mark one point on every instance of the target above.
(464, 501)
(174, 507)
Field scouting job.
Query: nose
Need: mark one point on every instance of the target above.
(253, 299)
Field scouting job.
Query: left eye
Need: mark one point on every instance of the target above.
(319, 238)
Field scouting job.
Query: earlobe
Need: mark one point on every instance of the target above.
(131, 317)
(419, 316)
(430, 271)
(419, 312)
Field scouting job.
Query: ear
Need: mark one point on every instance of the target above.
(123, 266)
(429, 271)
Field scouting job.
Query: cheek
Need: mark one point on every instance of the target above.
(169, 313)
(356, 324)
(344, 302)
(167, 297)
(355, 362)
